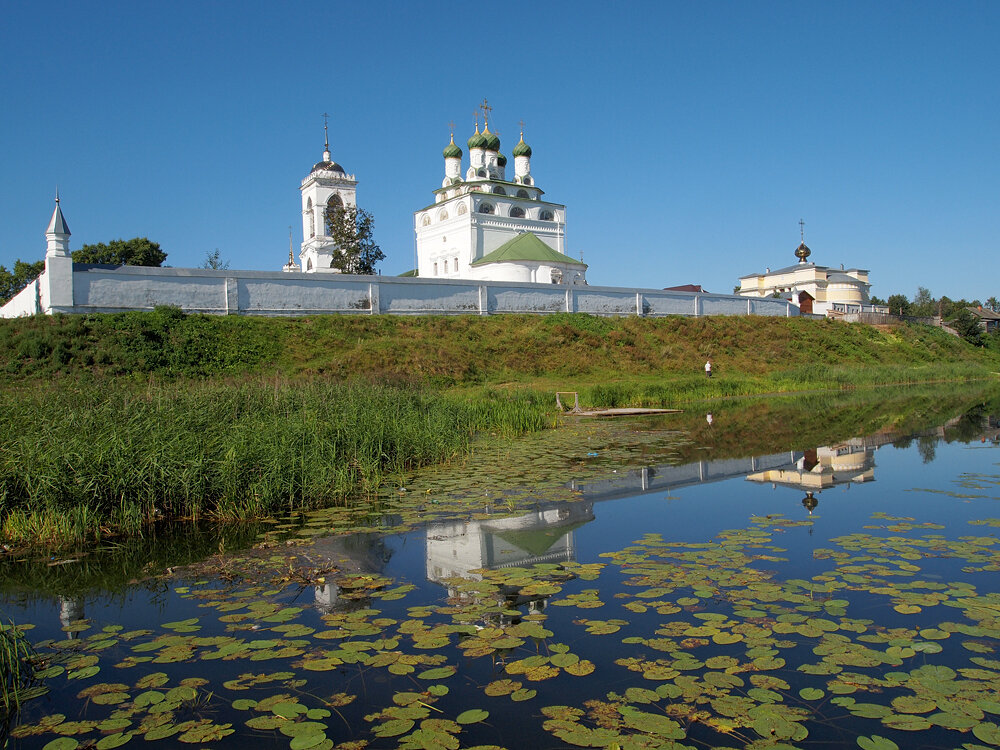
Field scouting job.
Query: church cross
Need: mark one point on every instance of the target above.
(326, 137)
(802, 231)
(521, 123)
(451, 127)
(485, 106)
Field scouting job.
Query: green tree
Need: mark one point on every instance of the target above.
(993, 304)
(351, 228)
(898, 304)
(213, 260)
(966, 324)
(924, 303)
(878, 301)
(12, 282)
(138, 251)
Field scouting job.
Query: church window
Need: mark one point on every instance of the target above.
(522, 193)
(446, 265)
(435, 269)
(426, 221)
(499, 190)
(442, 216)
(546, 216)
(480, 172)
(517, 212)
(333, 206)
(309, 265)
(462, 209)
(456, 265)
(526, 180)
(486, 208)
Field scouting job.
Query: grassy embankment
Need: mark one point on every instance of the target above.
(108, 422)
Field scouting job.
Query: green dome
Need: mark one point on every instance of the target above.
(478, 140)
(492, 141)
(522, 148)
(451, 151)
(501, 160)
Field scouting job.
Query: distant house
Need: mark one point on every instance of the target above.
(815, 289)
(989, 321)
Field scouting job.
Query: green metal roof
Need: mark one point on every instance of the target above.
(526, 246)
(409, 273)
(522, 148)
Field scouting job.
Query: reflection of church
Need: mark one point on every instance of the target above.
(851, 462)
(545, 535)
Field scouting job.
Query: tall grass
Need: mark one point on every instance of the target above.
(77, 460)
(16, 670)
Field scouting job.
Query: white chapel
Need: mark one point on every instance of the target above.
(484, 226)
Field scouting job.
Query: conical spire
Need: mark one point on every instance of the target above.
(57, 224)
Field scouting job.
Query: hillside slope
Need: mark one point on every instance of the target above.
(466, 350)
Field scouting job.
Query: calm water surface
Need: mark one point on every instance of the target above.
(817, 596)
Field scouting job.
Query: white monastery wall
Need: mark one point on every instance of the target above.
(93, 288)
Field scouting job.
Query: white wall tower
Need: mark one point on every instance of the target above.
(327, 187)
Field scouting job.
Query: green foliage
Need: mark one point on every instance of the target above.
(352, 229)
(74, 460)
(898, 304)
(214, 261)
(139, 251)
(966, 324)
(12, 282)
(16, 669)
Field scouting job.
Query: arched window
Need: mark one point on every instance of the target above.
(480, 172)
(522, 193)
(334, 205)
(526, 180)
(499, 190)
(426, 221)
(309, 265)
(546, 216)
(486, 208)
(310, 217)
(517, 212)
(462, 209)
(442, 216)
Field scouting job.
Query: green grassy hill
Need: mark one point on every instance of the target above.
(566, 351)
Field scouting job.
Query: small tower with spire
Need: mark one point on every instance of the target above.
(57, 234)
(291, 266)
(56, 291)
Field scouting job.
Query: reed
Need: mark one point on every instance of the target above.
(17, 672)
(76, 460)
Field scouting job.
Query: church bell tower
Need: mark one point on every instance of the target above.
(327, 188)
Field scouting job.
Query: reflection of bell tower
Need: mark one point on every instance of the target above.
(326, 188)
(809, 502)
(326, 597)
(70, 611)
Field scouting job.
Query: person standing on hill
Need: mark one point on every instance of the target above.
(708, 368)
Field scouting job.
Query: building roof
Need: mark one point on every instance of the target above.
(526, 246)
(522, 148)
(984, 314)
(328, 166)
(684, 288)
(451, 151)
(409, 274)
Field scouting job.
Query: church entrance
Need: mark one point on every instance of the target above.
(805, 303)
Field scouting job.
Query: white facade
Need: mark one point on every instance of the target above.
(815, 289)
(327, 188)
(472, 217)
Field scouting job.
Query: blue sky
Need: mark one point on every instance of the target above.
(686, 139)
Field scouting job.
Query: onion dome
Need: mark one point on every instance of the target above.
(501, 160)
(451, 151)
(522, 148)
(328, 166)
(802, 252)
(492, 141)
(477, 140)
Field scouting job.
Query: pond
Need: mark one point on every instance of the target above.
(786, 573)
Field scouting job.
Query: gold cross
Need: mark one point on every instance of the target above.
(485, 106)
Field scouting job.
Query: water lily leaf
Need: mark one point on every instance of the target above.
(581, 668)
(206, 733)
(906, 722)
(62, 743)
(524, 694)
(811, 694)
(307, 741)
(913, 704)
(987, 732)
(502, 687)
(113, 740)
(265, 722)
(472, 716)
(83, 674)
(439, 673)
(393, 727)
(876, 742)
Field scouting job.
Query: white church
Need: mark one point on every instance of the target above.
(482, 227)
